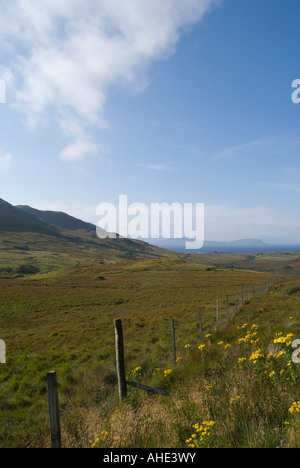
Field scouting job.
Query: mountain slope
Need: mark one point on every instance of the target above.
(59, 219)
(12, 219)
(47, 240)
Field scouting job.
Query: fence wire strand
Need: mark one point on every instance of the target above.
(258, 292)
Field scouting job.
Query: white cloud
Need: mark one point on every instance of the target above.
(79, 150)
(5, 162)
(66, 54)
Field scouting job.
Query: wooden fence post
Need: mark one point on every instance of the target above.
(217, 313)
(53, 410)
(173, 341)
(242, 293)
(200, 325)
(236, 301)
(120, 360)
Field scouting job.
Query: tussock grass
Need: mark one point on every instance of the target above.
(247, 401)
(62, 319)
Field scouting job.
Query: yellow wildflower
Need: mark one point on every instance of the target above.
(232, 400)
(137, 371)
(254, 341)
(295, 408)
(287, 340)
(201, 435)
(256, 355)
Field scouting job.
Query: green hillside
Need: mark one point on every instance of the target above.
(12, 219)
(59, 219)
(34, 240)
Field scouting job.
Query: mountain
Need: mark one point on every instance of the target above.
(13, 219)
(58, 219)
(248, 242)
(43, 240)
(237, 244)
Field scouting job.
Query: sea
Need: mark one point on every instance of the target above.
(245, 249)
(211, 247)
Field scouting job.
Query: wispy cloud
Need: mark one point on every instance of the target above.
(239, 149)
(267, 147)
(157, 167)
(6, 161)
(83, 48)
(292, 187)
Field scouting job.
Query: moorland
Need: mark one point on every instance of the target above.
(61, 290)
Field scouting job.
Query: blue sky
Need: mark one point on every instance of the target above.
(183, 101)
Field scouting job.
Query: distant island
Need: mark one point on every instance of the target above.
(237, 246)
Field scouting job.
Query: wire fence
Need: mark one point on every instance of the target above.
(246, 293)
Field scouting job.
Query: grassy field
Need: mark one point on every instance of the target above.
(280, 262)
(63, 320)
(22, 253)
